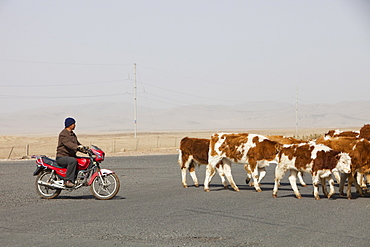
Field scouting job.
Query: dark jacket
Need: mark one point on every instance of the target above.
(67, 144)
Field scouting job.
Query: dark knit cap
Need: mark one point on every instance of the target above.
(69, 121)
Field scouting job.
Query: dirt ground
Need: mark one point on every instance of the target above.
(125, 144)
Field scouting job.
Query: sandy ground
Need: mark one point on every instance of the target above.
(125, 144)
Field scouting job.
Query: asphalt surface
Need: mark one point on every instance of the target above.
(153, 209)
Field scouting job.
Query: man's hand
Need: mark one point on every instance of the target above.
(82, 149)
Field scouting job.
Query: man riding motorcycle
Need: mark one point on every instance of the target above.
(68, 145)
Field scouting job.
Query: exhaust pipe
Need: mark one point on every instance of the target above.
(53, 185)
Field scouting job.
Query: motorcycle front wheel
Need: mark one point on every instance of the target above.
(46, 192)
(105, 187)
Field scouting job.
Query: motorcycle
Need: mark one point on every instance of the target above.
(104, 184)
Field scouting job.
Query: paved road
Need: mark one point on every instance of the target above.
(152, 209)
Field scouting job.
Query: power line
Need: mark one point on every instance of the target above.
(58, 97)
(62, 63)
(63, 85)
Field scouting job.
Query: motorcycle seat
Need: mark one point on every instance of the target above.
(51, 162)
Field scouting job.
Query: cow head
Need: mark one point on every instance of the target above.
(344, 163)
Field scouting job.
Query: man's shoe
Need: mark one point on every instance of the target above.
(69, 184)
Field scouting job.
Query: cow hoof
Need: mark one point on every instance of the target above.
(316, 198)
(247, 181)
(206, 190)
(299, 197)
(274, 196)
(185, 186)
(258, 190)
(196, 185)
(237, 189)
(226, 187)
(304, 185)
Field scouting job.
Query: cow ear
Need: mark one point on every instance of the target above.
(339, 155)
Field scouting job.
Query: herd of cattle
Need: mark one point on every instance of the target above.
(343, 155)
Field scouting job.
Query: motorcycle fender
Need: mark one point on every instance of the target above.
(38, 170)
(103, 173)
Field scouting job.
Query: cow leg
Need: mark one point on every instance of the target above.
(193, 175)
(210, 172)
(315, 183)
(229, 176)
(323, 186)
(262, 174)
(184, 167)
(343, 178)
(351, 179)
(300, 178)
(255, 180)
(337, 175)
(360, 180)
(183, 176)
(325, 175)
(293, 183)
(246, 168)
(220, 170)
(367, 181)
(331, 187)
(279, 174)
(358, 187)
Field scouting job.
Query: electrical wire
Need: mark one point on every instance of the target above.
(62, 63)
(63, 85)
(58, 97)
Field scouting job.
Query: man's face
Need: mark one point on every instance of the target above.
(71, 127)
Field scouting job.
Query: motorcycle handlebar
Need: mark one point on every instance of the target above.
(90, 153)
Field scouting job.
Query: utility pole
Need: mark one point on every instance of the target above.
(296, 113)
(135, 107)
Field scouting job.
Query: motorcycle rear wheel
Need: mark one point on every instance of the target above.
(106, 189)
(45, 191)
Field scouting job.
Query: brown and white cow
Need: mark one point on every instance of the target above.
(339, 133)
(192, 152)
(365, 132)
(289, 140)
(359, 151)
(255, 151)
(319, 160)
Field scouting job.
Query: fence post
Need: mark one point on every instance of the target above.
(10, 152)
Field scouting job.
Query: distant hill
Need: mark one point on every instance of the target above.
(254, 115)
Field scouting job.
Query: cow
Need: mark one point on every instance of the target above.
(252, 150)
(319, 160)
(359, 151)
(365, 131)
(192, 152)
(289, 140)
(285, 139)
(339, 133)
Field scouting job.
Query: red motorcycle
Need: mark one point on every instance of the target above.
(104, 184)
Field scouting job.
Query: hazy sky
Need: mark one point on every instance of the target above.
(187, 52)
